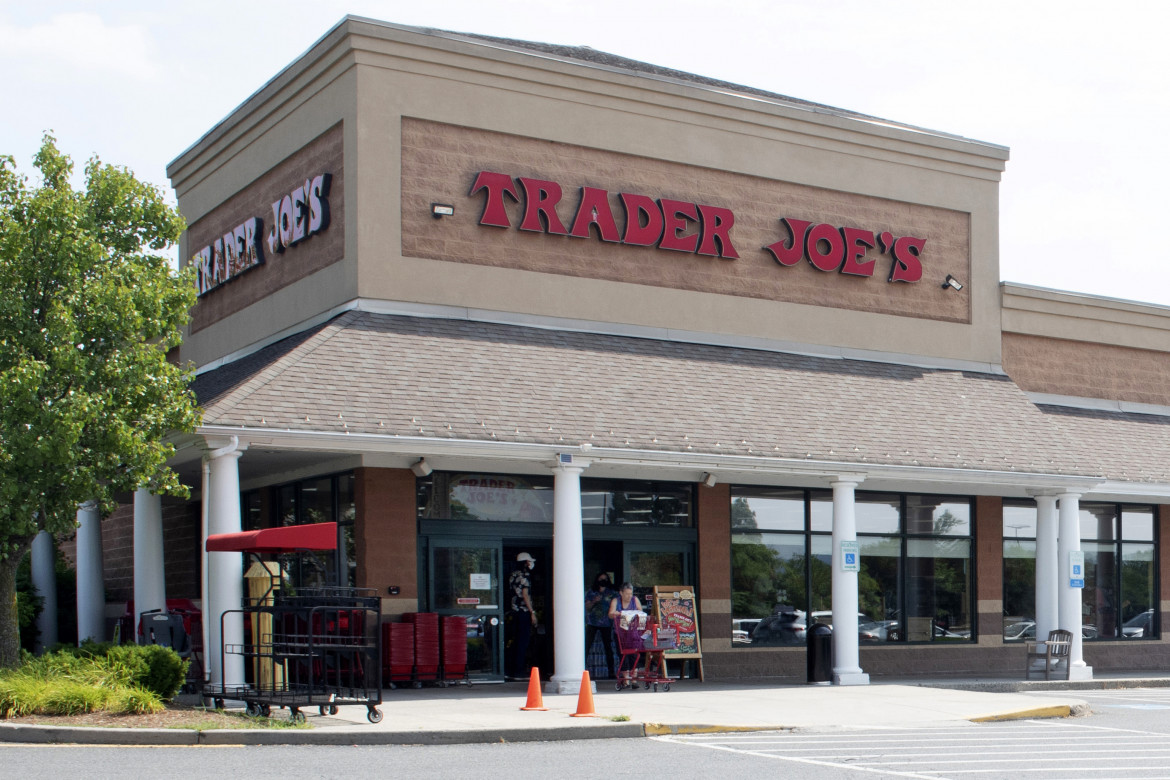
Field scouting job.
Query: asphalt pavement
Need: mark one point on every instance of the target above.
(492, 712)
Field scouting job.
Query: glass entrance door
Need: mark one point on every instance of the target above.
(647, 565)
(465, 580)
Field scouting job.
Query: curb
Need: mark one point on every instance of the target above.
(1059, 711)
(42, 735)
(1032, 686)
(666, 729)
(50, 735)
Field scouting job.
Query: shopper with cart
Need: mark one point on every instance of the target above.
(629, 638)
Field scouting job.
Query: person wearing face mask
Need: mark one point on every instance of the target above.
(521, 616)
(597, 620)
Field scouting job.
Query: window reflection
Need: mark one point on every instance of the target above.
(529, 499)
(316, 500)
(1119, 596)
(914, 584)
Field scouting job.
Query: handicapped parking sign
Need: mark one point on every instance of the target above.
(1076, 569)
(850, 556)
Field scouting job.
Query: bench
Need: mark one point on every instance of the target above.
(1055, 649)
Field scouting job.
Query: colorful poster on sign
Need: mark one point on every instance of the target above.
(675, 607)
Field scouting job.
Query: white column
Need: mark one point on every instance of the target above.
(150, 588)
(1071, 599)
(846, 654)
(91, 588)
(1047, 571)
(225, 571)
(44, 579)
(568, 577)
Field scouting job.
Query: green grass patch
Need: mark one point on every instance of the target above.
(95, 677)
(237, 720)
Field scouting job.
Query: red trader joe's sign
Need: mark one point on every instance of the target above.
(696, 228)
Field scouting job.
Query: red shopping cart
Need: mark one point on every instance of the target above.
(642, 644)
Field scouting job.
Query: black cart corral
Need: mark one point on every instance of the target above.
(312, 647)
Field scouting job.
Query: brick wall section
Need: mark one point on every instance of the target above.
(788, 665)
(440, 163)
(183, 547)
(714, 527)
(322, 155)
(989, 567)
(386, 536)
(1078, 368)
(181, 550)
(118, 553)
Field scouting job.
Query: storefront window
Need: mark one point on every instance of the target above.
(529, 499)
(1119, 548)
(915, 582)
(491, 497)
(1119, 595)
(319, 500)
(251, 514)
(1019, 571)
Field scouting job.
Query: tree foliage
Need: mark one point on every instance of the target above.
(89, 308)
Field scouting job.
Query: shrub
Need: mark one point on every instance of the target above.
(158, 669)
(165, 673)
(114, 678)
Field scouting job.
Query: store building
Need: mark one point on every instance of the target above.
(471, 297)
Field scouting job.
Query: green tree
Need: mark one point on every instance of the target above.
(89, 308)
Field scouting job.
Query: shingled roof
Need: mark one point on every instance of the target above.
(463, 380)
(1130, 447)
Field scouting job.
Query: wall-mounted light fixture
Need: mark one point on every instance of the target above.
(421, 468)
(952, 284)
(440, 210)
(709, 479)
(393, 590)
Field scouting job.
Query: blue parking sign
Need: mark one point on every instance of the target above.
(850, 556)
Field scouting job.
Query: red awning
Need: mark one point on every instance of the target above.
(318, 536)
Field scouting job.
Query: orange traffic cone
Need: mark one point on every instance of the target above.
(535, 700)
(585, 698)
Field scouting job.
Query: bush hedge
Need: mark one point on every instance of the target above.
(95, 676)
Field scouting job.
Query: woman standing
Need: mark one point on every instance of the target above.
(597, 620)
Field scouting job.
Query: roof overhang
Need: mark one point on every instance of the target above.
(460, 454)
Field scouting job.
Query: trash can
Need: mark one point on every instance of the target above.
(820, 654)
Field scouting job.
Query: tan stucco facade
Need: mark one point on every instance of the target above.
(419, 115)
(956, 383)
(1069, 346)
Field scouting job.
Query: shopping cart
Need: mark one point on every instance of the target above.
(642, 644)
(309, 647)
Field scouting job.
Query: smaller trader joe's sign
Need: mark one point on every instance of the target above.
(675, 607)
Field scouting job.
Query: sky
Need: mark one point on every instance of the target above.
(1079, 91)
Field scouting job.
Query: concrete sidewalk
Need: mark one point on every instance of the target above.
(491, 712)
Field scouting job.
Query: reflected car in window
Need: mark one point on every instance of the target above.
(785, 626)
(741, 630)
(1139, 626)
(1025, 630)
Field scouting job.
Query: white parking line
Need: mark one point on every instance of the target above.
(1048, 750)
